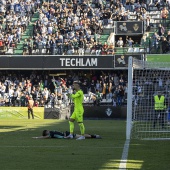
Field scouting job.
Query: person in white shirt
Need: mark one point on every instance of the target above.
(50, 29)
(43, 29)
(120, 42)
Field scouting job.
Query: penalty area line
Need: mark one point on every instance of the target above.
(123, 161)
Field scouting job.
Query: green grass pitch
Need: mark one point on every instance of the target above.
(158, 57)
(19, 151)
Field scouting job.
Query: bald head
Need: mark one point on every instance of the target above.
(76, 86)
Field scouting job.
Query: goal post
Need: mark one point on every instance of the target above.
(129, 98)
(146, 80)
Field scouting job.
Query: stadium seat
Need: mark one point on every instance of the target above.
(43, 51)
(87, 51)
(136, 50)
(130, 50)
(109, 100)
(141, 50)
(103, 101)
(10, 51)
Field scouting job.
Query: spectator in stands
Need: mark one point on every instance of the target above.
(144, 6)
(76, 46)
(111, 49)
(168, 36)
(125, 16)
(119, 94)
(158, 4)
(120, 42)
(130, 5)
(71, 48)
(168, 4)
(104, 87)
(155, 40)
(30, 46)
(25, 47)
(136, 44)
(93, 48)
(97, 98)
(148, 26)
(168, 39)
(137, 6)
(164, 16)
(98, 48)
(104, 48)
(165, 45)
(52, 46)
(81, 47)
(161, 30)
(129, 41)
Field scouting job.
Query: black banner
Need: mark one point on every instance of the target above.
(121, 61)
(105, 112)
(56, 62)
(129, 27)
(95, 112)
(56, 113)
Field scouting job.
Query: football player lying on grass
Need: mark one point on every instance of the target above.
(61, 135)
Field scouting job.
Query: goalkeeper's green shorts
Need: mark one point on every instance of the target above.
(77, 115)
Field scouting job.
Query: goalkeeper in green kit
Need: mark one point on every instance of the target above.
(77, 114)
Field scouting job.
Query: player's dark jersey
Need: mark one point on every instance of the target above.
(59, 135)
(56, 134)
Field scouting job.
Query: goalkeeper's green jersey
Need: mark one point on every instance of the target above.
(78, 98)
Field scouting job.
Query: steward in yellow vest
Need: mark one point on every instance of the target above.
(159, 102)
(159, 108)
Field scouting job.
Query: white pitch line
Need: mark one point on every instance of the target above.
(56, 147)
(122, 165)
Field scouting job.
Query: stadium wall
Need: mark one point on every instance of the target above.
(90, 112)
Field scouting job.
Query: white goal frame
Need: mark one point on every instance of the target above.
(133, 65)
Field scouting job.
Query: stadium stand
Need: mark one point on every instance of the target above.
(73, 27)
(15, 88)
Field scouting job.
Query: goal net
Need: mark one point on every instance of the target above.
(145, 81)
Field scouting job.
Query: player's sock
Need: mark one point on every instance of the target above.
(82, 128)
(71, 126)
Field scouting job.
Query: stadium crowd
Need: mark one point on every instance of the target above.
(66, 27)
(46, 90)
(15, 16)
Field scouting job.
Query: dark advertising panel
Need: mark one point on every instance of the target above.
(26, 62)
(129, 27)
(121, 61)
(95, 112)
(56, 62)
